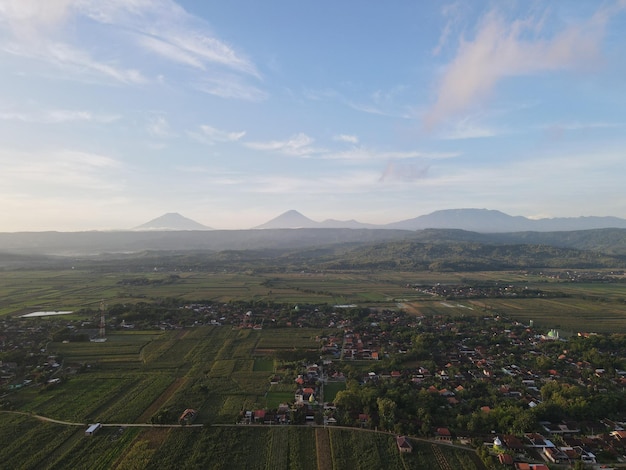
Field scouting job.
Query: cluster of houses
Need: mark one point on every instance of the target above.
(462, 291)
(515, 376)
(503, 354)
(282, 415)
(550, 452)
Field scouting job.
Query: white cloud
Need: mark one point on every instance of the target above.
(34, 25)
(29, 19)
(171, 52)
(159, 26)
(468, 127)
(405, 171)
(351, 182)
(58, 116)
(576, 126)
(165, 28)
(363, 154)
(158, 126)
(503, 49)
(74, 60)
(387, 103)
(211, 135)
(58, 172)
(351, 139)
(228, 86)
(453, 14)
(302, 145)
(66, 55)
(297, 145)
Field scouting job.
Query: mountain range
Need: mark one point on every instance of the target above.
(474, 220)
(294, 231)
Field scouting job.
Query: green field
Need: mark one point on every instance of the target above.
(150, 376)
(331, 389)
(575, 306)
(568, 314)
(52, 446)
(128, 373)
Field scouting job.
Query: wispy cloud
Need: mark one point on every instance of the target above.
(211, 135)
(302, 145)
(59, 171)
(170, 51)
(351, 182)
(165, 28)
(468, 127)
(576, 126)
(503, 49)
(75, 61)
(29, 19)
(558, 130)
(365, 154)
(58, 116)
(350, 139)
(388, 103)
(452, 12)
(160, 27)
(298, 145)
(382, 107)
(404, 171)
(229, 86)
(159, 126)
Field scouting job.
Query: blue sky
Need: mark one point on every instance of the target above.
(230, 113)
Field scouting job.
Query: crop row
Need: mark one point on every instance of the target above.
(27, 441)
(278, 457)
(78, 398)
(95, 453)
(137, 398)
(363, 450)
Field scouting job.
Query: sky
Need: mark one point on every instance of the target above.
(115, 112)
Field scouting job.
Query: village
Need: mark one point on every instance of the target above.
(523, 393)
(520, 394)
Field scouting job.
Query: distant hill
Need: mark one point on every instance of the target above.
(492, 221)
(294, 219)
(467, 256)
(316, 249)
(171, 221)
(92, 243)
(473, 220)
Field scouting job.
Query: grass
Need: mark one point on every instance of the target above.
(568, 313)
(273, 399)
(263, 365)
(331, 389)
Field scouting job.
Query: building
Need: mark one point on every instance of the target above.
(404, 446)
(92, 429)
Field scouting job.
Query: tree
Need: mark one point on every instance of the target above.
(386, 412)
(348, 399)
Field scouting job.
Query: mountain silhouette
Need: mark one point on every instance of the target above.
(171, 221)
(474, 220)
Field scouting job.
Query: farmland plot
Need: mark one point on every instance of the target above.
(28, 441)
